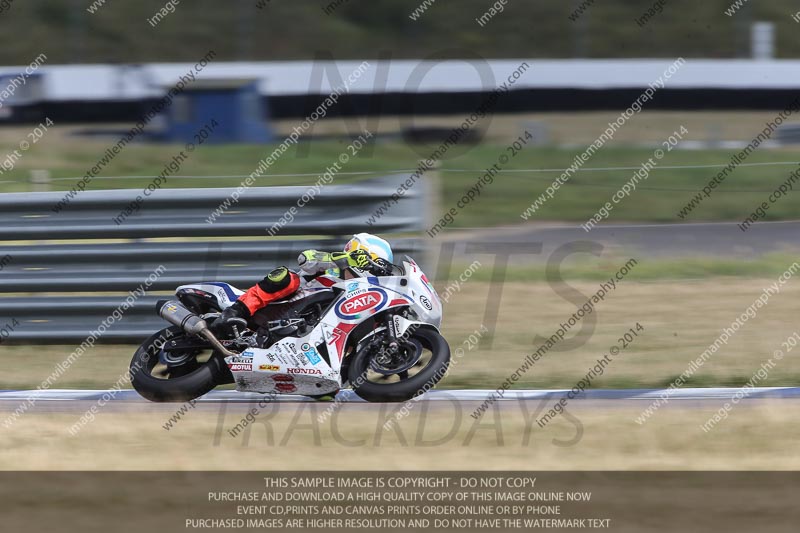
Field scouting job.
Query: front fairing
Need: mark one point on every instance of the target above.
(427, 304)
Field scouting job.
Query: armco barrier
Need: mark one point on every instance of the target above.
(81, 251)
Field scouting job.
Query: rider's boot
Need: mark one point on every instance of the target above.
(232, 317)
(278, 284)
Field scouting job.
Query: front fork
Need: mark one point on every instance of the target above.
(385, 346)
(391, 334)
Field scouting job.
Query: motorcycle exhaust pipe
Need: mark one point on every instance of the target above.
(175, 313)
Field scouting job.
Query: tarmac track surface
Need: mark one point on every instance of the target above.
(77, 401)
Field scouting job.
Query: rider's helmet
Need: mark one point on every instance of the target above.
(378, 249)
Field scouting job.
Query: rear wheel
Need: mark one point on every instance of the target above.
(419, 364)
(175, 376)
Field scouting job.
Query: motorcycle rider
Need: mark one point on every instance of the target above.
(282, 282)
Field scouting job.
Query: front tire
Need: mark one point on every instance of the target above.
(195, 381)
(406, 388)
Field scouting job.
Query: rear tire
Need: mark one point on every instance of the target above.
(179, 389)
(408, 388)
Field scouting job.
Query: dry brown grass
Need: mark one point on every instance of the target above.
(681, 318)
(756, 436)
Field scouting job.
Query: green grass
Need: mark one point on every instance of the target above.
(588, 268)
(657, 199)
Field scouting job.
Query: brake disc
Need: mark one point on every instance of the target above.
(406, 357)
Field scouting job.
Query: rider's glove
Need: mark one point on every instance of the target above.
(354, 259)
(311, 261)
(358, 259)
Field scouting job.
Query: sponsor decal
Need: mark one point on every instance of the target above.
(270, 368)
(311, 353)
(284, 359)
(308, 371)
(426, 303)
(240, 367)
(247, 353)
(285, 388)
(339, 335)
(241, 359)
(334, 335)
(284, 349)
(359, 305)
(353, 287)
(198, 292)
(325, 281)
(282, 378)
(429, 286)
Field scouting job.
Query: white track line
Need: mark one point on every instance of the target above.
(61, 395)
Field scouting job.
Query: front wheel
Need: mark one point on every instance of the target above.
(186, 375)
(420, 363)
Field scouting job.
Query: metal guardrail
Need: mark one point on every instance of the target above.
(336, 210)
(45, 257)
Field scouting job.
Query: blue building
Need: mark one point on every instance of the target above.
(235, 105)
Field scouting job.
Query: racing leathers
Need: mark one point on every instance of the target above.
(282, 283)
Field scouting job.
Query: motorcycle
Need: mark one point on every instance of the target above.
(377, 333)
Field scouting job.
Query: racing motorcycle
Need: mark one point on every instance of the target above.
(377, 333)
